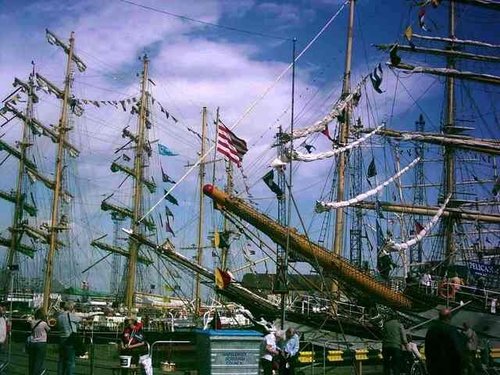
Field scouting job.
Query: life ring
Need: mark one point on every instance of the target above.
(446, 290)
(52, 322)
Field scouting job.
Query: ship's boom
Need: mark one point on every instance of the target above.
(312, 252)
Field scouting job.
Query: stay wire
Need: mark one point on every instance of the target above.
(230, 28)
(249, 109)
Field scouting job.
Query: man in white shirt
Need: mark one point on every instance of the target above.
(426, 282)
(268, 349)
(3, 332)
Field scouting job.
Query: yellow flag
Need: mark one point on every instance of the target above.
(216, 239)
(408, 33)
(219, 281)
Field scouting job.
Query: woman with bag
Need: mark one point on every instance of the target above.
(37, 347)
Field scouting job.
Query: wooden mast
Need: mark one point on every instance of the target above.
(63, 128)
(201, 177)
(225, 225)
(344, 132)
(20, 198)
(134, 245)
(449, 152)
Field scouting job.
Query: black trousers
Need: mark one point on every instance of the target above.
(266, 366)
(392, 360)
(37, 352)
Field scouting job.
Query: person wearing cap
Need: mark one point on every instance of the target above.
(443, 346)
(268, 351)
(134, 344)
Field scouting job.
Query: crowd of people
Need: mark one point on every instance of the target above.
(448, 350)
(279, 351)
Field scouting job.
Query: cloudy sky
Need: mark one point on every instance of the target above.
(212, 53)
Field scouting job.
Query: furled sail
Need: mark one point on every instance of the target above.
(420, 235)
(324, 206)
(326, 155)
(320, 125)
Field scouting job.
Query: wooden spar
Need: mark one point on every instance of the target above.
(201, 177)
(119, 250)
(313, 253)
(63, 129)
(458, 213)
(234, 290)
(445, 72)
(439, 52)
(486, 146)
(488, 4)
(138, 184)
(455, 41)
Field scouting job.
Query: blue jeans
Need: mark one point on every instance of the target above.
(66, 363)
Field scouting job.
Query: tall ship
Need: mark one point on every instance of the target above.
(356, 207)
(407, 216)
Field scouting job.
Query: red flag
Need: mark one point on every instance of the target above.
(418, 227)
(230, 145)
(222, 278)
(326, 133)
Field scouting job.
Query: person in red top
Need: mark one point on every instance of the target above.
(133, 343)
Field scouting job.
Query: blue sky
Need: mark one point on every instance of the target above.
(195, 65)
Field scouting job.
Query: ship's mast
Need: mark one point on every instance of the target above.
(343, 137)
(62, 135)
(225, 224)
(20, 197)
(201, 177)
(449, 186)
(134, 245)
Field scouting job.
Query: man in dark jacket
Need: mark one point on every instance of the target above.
(443, 347)
(394, 338)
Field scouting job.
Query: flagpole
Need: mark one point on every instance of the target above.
(284, 265)
(215, 144)
(199, 253)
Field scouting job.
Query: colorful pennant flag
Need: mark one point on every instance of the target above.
(326, 133)
(409, 35)
(230, 145)
(376, 78)
(222, 278)
(165, 151)
(421, 19)
(418, 227)
(168, 212)
(372, 169)
(168, 228)
(171, 198)
(165, 177)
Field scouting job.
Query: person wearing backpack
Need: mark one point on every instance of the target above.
(67, 322)
(37, 343)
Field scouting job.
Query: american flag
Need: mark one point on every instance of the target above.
(230, 145)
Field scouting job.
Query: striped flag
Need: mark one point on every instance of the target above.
(229, 145)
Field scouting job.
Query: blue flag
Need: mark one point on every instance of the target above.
(165, 151)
